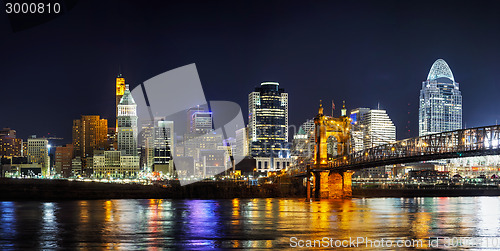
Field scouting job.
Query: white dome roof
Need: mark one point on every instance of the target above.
(440, 69)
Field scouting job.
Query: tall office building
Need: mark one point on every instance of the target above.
(201, 122)
(440, 107)
(242, 142)
(157, 145)
(127, 124)
(357, 133)
(64, 158)
(268, 121)
(120, 90)
(38, 153)
(163, 146)
(371, 128)
(89, 134)
(10, 146)
(379, 129)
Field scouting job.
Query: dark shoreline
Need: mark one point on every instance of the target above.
(428, 192)
(54, 190)
(51, 190)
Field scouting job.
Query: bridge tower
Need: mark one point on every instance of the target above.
(333, 137)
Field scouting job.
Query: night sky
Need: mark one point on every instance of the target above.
(364, 52)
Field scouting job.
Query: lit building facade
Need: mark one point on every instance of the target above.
(127, 124)
(89, 134)
(201, 122)
(193, 143)
(10, 146)
(120, 90)
(268, 121)
(242, 143)
(64, 157)
(38, 153)
(371, 128)
(113, 164)
(266, 164)
(213, 162)
(378, 129)
(440, 108)
(357, 133)
(157, 146)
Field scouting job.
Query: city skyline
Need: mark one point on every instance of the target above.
(194, 124)
(316, 52)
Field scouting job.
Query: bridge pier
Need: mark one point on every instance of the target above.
(332, 184)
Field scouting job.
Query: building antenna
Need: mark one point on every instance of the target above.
(333, 107)
(378, 105)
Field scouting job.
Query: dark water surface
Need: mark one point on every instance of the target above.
(246, 223)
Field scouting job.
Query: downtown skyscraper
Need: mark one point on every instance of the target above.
(268, 121)
(371, 127)
(440, 107)
(127, 124)
(89, 134)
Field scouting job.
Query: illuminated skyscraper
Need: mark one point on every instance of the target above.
(127, 124)
(157, 145)
(89, 134)
(378, 129)
(38, 152)
(371, 128)
(268, 121)
(440, 107)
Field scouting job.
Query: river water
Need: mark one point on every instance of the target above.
(467, 222)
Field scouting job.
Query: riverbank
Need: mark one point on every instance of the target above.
(51, 190)
(427, 192)
(39, 189)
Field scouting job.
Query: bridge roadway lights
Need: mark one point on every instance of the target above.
(332, 184)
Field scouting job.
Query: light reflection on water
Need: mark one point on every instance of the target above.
(239, 223)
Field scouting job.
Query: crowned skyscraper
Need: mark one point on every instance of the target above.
(440, 101)
(127, 124)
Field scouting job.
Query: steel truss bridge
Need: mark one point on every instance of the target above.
(477, 141)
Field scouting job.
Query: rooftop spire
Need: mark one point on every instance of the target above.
(127, 98)
(343, 111)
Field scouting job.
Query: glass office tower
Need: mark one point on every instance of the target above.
(440, 107)
(268, 121)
